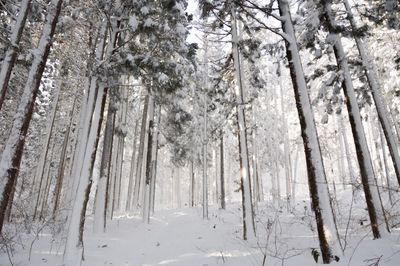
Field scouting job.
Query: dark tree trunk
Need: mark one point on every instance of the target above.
(15, 144)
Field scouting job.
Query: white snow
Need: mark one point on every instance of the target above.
(133, 23)
(181, 237)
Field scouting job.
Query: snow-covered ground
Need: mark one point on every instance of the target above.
(182, 237)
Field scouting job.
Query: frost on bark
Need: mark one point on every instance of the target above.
(249, 230)
(383, 114)
(12, 154)
(375, 209)
(12, 51)
(82, 173)
(319, 192)
(103, 182)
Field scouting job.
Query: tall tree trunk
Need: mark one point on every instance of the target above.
(319, 191)
(45, 149)
(73, 252)
(132, 168)
(375, 209)
(205, 137)
(257, 183)
(12, 51)
(47, 185)
(350, 167)
(385, 164)
(12, 154)
(62, 164)
(249, 229)
(101, 202)
(154, 157)
(140, 153)
(149, 158)
(222, 172)
(286, 144)
(192, 182)
(383, 114)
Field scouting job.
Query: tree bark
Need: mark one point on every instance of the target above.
(318, 186)
(12, 154)
(375, 210)
(132, 169)
(222, 172)
(140, 153)
(383, 114)
(12, 51)
(149, 157)
(249, 230)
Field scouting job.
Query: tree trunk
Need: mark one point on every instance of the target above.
(73, 252)
(222, 172)
(319, 191)
(286, 144)
(383, 114)
(12, 51)
(132, 169)
(12, 154)
(249, 229)
(155, 161)
(375, 210)
(385, 165)
(140, 153)
(101, 202)
(205, 138)
(149, 158)
(45, 149)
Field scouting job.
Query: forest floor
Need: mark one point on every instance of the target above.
(181, 237)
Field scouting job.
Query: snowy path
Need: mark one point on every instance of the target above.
(178, 237)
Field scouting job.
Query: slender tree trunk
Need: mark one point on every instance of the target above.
(205, 137)
(385, 164)
(47, 185)
(45, 149)
(148, 176)
(12, 154)
(341, 156)
(256, 181)
(192, 183)
(103, 182)
(286, 144)
(319, 191)
(11, 54)
(73, 252)
(132, 168)
(383, 114)
(350, 167)
(141, 152)
(62, 164)
(249, 229)
(222, 172)
(375, 210)
(155, 161)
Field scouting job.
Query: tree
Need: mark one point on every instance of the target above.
(11, 157)
(372, 197)
(370, 73)
(317, 182)
(12, 51)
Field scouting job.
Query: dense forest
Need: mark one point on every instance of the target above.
(199, 132)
